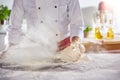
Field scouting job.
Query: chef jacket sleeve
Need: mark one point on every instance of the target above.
(76, 19)
(14, 31)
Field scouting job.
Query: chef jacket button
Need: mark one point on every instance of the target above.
(67, 10)
(67, 15)
(41, 21)
(55, 6)
(56, 34)
(56, 20)
(38, 7)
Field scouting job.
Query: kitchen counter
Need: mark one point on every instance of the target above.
(96, 67)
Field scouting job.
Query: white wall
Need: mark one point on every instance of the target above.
(86, 3)
(7, 2)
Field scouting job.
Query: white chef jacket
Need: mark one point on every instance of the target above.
(62, 14)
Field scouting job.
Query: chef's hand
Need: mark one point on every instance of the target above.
(76, 43)
(75, 39)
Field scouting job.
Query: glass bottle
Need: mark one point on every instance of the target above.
(98, 34)
(110, 33)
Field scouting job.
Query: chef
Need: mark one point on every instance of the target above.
(62, 14)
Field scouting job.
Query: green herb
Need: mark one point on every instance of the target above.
(4, 12)
(88, 29)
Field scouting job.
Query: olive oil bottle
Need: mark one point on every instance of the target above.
(110, 33)
(97, 33)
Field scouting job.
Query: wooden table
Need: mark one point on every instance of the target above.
(102, 45)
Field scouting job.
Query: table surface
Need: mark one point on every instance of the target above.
(94, 67)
